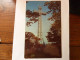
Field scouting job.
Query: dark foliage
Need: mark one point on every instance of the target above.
(31, 39)
(53, 36)
(55, 9)
(33, 17)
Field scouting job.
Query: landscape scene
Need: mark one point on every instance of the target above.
(43, 29)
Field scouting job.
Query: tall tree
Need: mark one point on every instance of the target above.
(55, 31)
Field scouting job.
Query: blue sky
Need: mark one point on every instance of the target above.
(33, 5)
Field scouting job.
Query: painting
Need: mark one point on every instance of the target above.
(43, 29)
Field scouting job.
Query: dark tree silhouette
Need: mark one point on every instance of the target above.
(53, 36)
(31, 40)
(55, 31)
(55, 9)
(33, 17)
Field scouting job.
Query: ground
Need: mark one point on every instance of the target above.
(47, 51)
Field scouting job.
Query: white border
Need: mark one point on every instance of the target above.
(19, 30)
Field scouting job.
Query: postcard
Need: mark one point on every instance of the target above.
(41, 30)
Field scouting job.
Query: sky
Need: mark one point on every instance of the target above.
(33, 5)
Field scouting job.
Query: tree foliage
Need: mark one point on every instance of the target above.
(55, 31)
(31, 39)
(55, 9)
(53, 36)
(33, 17)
